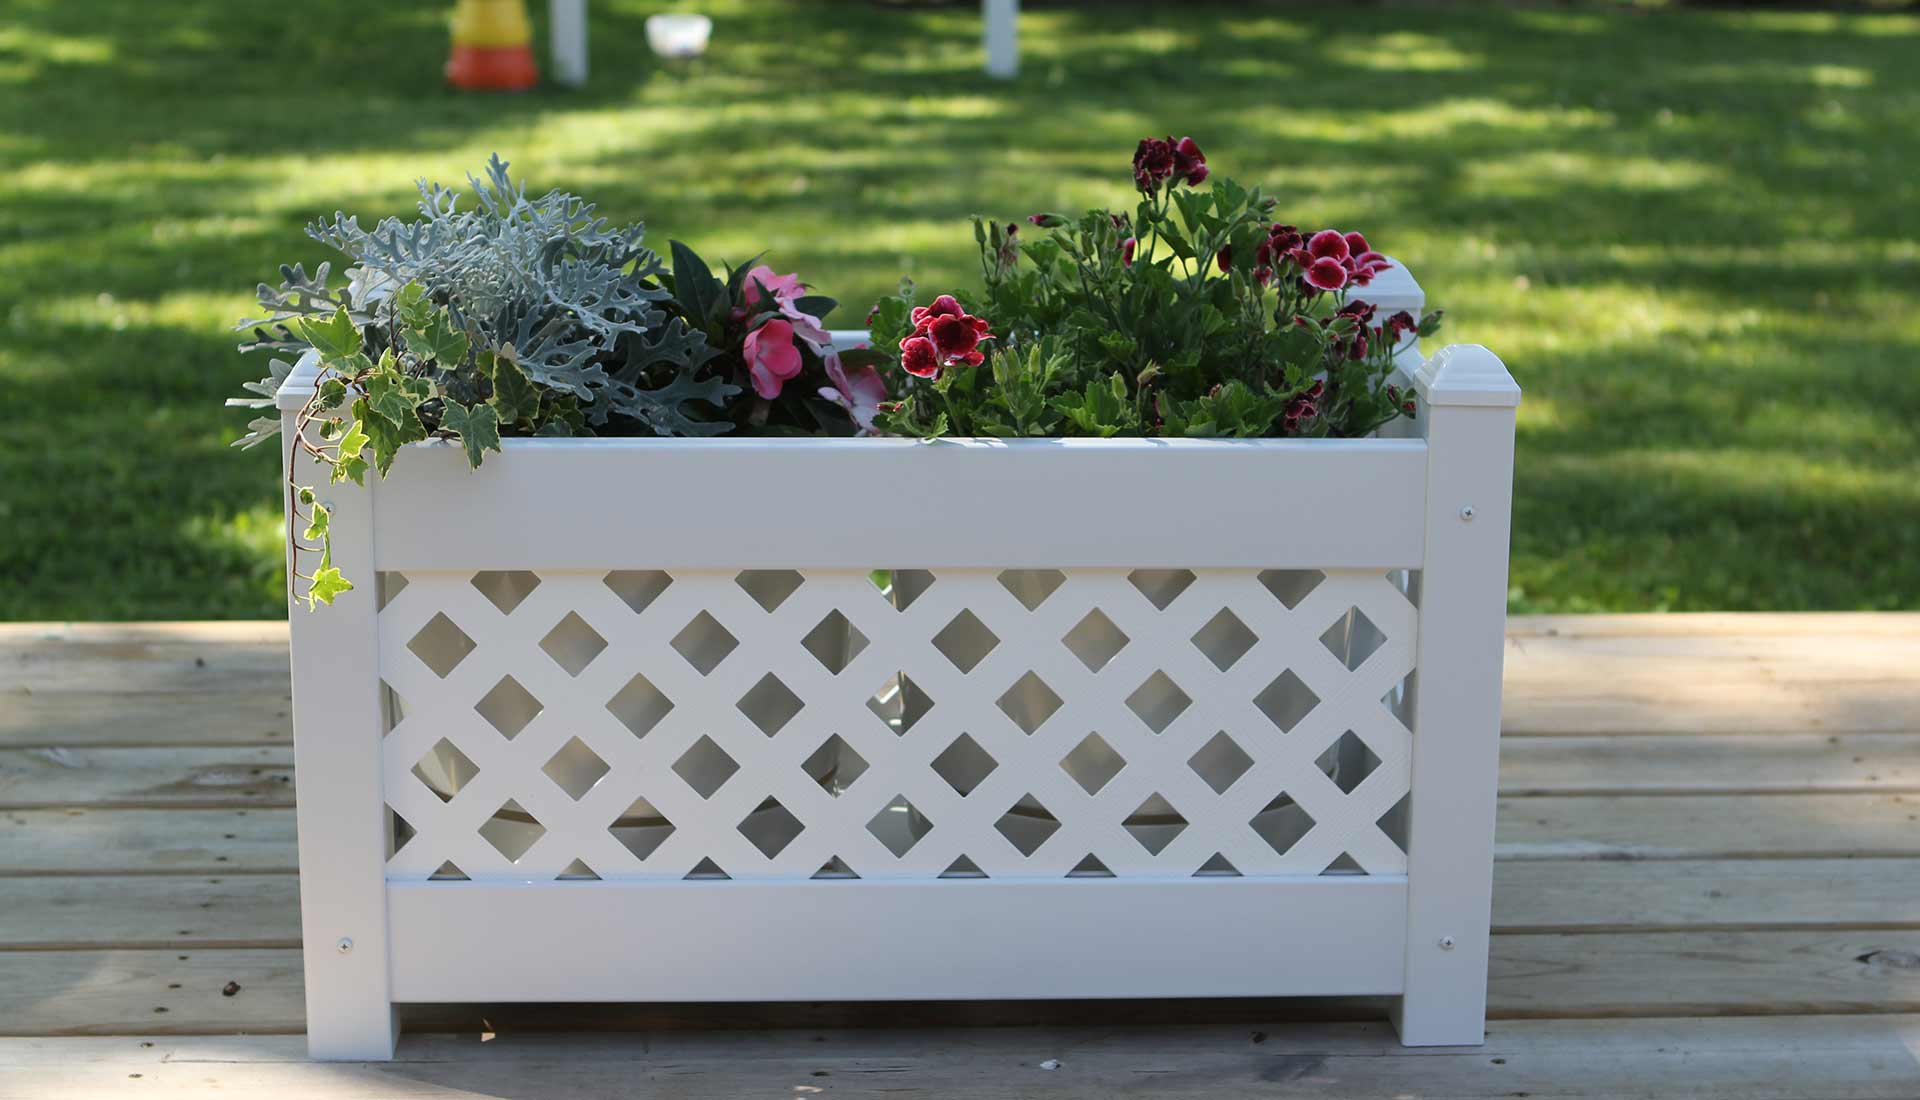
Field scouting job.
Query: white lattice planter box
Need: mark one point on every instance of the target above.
(631, 720)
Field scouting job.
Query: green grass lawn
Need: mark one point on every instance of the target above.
(1694, 236)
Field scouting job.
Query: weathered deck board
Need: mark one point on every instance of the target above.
(80, 719)
(261, 776)
(1536, 976)
(146, 778)
(70, 841)
(160, 911)
(1729, 1059)
(1798, 826)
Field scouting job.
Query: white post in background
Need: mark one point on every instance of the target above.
(1467, 405)
(341, 810)
(567, 26)
(1003, 37)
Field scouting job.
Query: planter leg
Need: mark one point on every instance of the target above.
(1467, 404)
(341, 811)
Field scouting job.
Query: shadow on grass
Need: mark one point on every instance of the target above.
(1692, 234)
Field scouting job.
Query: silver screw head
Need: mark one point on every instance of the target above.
(345, 944)
(1446, 943)
(1466, 514)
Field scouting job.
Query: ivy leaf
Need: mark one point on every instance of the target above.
(477, 426)
(326, 584)
(514, 396)
(348, 463)
(331, 393)
(440, 341)
(334, 338)
(412, 306)
(317, 519)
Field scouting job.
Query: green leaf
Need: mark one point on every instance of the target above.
(698, 292)
(348, 463)
(334, 338)
(439, 341)
(816, 306)
(317, 518)
(326, 584)
(514, 396)
(477, 426)
(330, 394)
(413, 307)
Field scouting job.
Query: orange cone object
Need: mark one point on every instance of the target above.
(492, 47)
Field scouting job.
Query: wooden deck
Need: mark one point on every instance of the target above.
(1708, 885)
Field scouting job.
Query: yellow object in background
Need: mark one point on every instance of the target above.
(492, 46)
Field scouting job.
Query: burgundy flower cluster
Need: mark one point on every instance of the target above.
(944, 335)
(1328, 260)
(1157, 160)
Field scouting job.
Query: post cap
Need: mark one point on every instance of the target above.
(1466, 374)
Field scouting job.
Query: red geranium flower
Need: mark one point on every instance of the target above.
(1189, 163)
(1152, 163)
(1326, 273)
(919, 358)
(1126, 252)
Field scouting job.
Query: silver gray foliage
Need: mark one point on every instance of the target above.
(576, 297)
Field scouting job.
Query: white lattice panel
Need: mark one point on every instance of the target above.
(649, 673)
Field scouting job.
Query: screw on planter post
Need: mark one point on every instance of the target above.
(345, 945)
(1446, 943)
(1466, 514)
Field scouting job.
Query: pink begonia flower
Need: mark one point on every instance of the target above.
(859, 391)
(771, 357)
(787, 290)
(1126, 252)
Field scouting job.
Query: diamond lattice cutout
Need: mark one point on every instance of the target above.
(386, 586)
(964, 765)
(899, 703)
(1284, 827)
(770, 704)
(639, 706)
(834, 642)
(904, 586)
(771, 828)
(1027, 825)
(899, 825)
(769, 587)
(1286, 701)
(1093, 763)
(573, 644)
(1155, 824)
(1224, 640)
(835, 765)
(508, 707)
(393, 709)
(1348, 761)
(512, 830)
(445, 769)
(965, 641)
(1218, 866)
(1090, 867)
(1158, 701)
(705, 766)
(505, 588)
(1032, 586)
(399, 832)
(441, 645)
(1220, 762)
(1095, 640)
(576, 768)
(1029, 702)
(1290, 586)
(641, 829)
(1353, 638)
(704, 643)
(638, 588)
(1161, 586)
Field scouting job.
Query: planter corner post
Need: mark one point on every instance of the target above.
(1466, 411)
